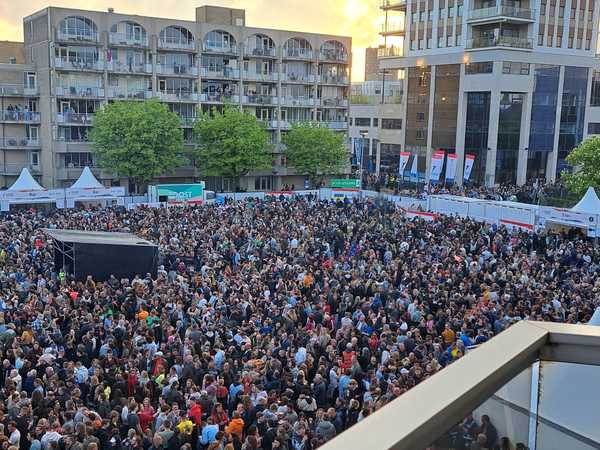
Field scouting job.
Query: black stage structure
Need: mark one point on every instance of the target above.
(102, 254)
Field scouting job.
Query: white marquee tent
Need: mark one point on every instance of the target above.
(25, 183)
(88, 189)
(87, 180)
(25, 191)
(589, 203)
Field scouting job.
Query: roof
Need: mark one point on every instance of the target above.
(96, 237)
(87, 180)
(589, 204)
(26, 182)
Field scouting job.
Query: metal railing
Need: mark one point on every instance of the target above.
(334, 55)
(333, 102)
(300, 78)
(63, 63)
(129, 93)
(188, 121)
(260, 99)
(261, 51)
(15, 169)
(334, 79)
(300, 101)
(502, 11)
(177, 69)
(219, 97)
(335, 124)
(75, 118)
(77, 35)
(392, 28)
(213, 48)
(18, 142)
(176, 45)
(390, 52)
(178, 95)
(500, 41)
(128, 39)
(393, 4)
(17, 90)
(79, 91)
(256, 76)
(299, 53)
(19, 116)
(223, 72)
(125, 67)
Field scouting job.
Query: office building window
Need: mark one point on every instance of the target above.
(413, 44)
(375, 122)
(476, 132)
(389, 158)
(78, 160)
(594, 128)
(572, 115)
(420, 117)
(450, 41)
(595, 98)
(421, 44)
(458, 39)
(422, 16)
(515, 68)
(451, 12)
(441, 41)
(362, 122)
(479, 67)
(415, 17)
(459, 10)
(391, 124)
(429, 42)
(421, 134)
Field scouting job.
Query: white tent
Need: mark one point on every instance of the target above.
(589, 204)
(87, 180)
(25, 182)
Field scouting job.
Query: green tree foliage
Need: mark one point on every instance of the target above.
(139, 140)
(230, 143)
(586, 160)
(315, 151)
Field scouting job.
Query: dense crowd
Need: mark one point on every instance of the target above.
(269, 325)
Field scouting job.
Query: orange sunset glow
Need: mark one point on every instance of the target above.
(359, 19)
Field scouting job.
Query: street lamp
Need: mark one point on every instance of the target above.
(363, 136)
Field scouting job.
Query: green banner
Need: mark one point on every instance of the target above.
(344, 183)
(181, 193)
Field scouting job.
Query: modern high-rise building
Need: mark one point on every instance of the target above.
(514, 84)
(372, 69)
(74, 61)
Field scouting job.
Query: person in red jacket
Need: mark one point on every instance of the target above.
(195, 412)
(347, 357)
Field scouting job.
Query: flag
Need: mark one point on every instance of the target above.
(450, 167)
(437, 163)
(413, 169)
(469, 161)
(404, 156)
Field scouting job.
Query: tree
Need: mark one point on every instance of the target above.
(230, 143)
(138, 140)
(315, 151)
(586, 160)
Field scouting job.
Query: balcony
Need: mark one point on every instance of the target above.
(335, 103)
(213, 97)
(15, 169)
(128, 40)
(298, 53)
(516, 43)
(17, 90)
(19, 116)
(177, 69)
(74, 118)
(19, 143)
(129, 93)
(65, 64)
(333, 56)
(264, 77)
(177, 45)
(334, 124)
(501, 13)
(301, 102)
(219, 72)
(390, 52)
(77, 35)
(170, 96)
(334, 79)
(298, 78)
(188, 122)
(79, 91)
(131, 68)
(392, 29)
(393, 5)
(264, 52)
(220, 49)
(260, 99)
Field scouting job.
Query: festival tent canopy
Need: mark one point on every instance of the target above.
(25, 182)
(87, 180)
(589, 204)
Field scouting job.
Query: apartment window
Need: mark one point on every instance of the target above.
(263, 183)
(421, 134)
(540, 39)
(12, 60)
(415, 17)
(429, 42)
(391, 124)
(593, 128)
(595, 98)
(362, 122)
(78, 160)
(458, 39)
(375, 121)
(561, 12)
(441, 41)
(451, 12)
(35, 158)
(421, 44)
(420, 117)
(587, 44)
(442, 13)
(450, 41)
(350, 121)
(515, 68)
(459, 11)
(422, 16)
(479, 67)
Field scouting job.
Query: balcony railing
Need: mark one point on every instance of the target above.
(178, 95)
(77, 35)
(335, 102)
(264, 51)
(18, 142)
(124, 67)
(501, 11)
(260, 99)
(75, 118)
(19, 116)
(300, 102)
(176, 69)
(15, 169)
(298, 53)
(79, 91)
(17, 90)
(299, 78)
(214, 97)
(214, 48)
(223, 72)
(334, 124)
(176, 45)
(128, 39)
(396, 28)
(266, 77)
(500, 41)
(393, 4)
(129, 93)
(333, 55)
(188, 121)
(62, 63)
(334, 79)
(389, 52)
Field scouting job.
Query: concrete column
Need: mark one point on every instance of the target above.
(490, 162)
(461, 123)
(553, 157)
(430, 121)
(525, 131)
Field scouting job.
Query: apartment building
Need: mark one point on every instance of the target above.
(514, 84)
(74, 61)
(375, 126)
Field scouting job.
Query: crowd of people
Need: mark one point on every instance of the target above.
(269, 324)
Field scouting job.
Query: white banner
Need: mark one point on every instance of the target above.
(469, 161)
(32, 195)
(451, 167)
(95, 192)
(413, 169)
(404, 156)
(437, 163)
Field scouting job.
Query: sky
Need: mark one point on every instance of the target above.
(359, 19)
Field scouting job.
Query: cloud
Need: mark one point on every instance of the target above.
(356, 18)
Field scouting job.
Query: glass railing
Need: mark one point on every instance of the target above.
(177, 45)
(300, 101)
(500, 41)
(220, 97)
(219, 72)
(300, 78)
(300, 53)
(260, 99)
(271, 76)
(128, 39)
(263, 51)
(14, 169)
(19, 116)
(18, 142)
(502, 11)
(125, 67)
(333, 102)
(77, 35)
(129, 93)
(63, 63)
(177, 69)
(214, 48)
(389, 52)
(178, 95)
(188, 121)
(392, 28)
(334, 79)
(333, 55)
(17, 90)
(79, 91)
(75, 118)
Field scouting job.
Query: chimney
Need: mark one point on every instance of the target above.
(111, 10)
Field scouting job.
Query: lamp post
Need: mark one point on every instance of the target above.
(363, 136)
